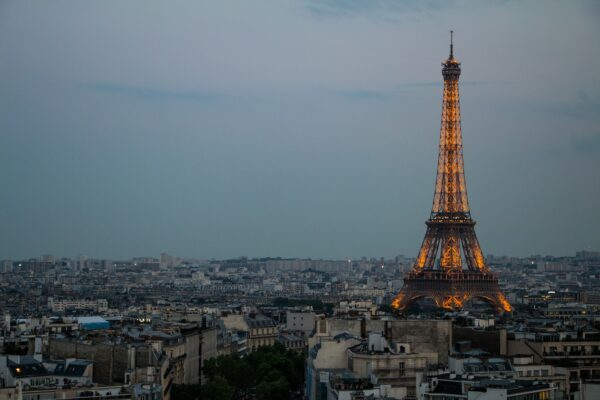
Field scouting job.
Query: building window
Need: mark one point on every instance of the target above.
(401, 370)
(322, 326)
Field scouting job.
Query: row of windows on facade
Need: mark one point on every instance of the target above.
(263, 331)
(537, 372)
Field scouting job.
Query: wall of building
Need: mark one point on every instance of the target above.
(386, 365)
(235, 322)
(110, 361)
(332, 354)
(338, 325)
(492, 341)
(589, 390)
(300, 321)
(209, 347)
(192, 360)
(176, 354)
(515, 347)
(424, 336)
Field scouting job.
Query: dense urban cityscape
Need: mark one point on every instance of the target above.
(137, 328)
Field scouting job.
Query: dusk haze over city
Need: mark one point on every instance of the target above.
(300, 200)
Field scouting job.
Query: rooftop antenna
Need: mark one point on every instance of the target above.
(451, 46)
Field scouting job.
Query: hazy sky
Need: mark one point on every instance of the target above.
(292, 128)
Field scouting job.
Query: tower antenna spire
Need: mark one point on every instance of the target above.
(451, 45)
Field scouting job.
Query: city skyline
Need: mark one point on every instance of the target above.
(302, 129)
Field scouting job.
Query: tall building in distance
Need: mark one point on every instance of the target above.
(460, 272)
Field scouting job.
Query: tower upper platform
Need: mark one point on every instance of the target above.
(451, 65)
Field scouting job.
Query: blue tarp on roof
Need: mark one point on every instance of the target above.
(92, 323)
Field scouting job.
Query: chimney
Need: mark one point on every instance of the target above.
(363, 328)
(37, 354)
(387, 329)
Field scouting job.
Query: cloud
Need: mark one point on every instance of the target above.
(586, 144)
(585, 105)
(364, 94)
(395, 90)
(151, 93)
(440, 83)
(345, 8)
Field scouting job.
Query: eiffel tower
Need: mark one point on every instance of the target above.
(460, 272)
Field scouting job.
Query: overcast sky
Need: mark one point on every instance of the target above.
(292, 128)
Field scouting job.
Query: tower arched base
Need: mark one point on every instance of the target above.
(451, 290)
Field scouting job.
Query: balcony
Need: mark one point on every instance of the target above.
(570, 354)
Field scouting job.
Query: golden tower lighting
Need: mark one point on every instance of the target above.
(450, 267)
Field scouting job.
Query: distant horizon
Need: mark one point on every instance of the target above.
(185, 258)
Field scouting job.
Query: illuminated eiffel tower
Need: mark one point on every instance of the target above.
(460, 272)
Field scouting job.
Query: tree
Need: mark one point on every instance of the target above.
(216, 389)
(273, 390)
(185, 392)
(271, 372)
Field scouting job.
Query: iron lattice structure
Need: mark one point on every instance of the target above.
(460, 272)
